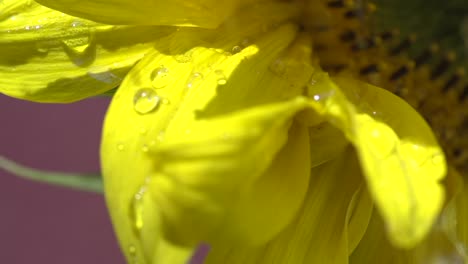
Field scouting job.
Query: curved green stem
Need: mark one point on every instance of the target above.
(90, 183)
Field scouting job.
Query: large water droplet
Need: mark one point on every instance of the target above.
(194, 80)
(160, 77)
(145, 101)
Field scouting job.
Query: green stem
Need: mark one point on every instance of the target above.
(90, 183)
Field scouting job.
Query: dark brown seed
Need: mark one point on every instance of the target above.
(371, 68)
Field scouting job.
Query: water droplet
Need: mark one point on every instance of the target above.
(160, 77)
(166, 101)
(120, 146)
(161, 135)
(184, 58)
(221, 78)
(137, 205)
(278, 67)
(236, 49)
(195, 79)
(132, 250)
(76, 24)
(312, 81)
(145, 101)
(145, 148)
(316, 97)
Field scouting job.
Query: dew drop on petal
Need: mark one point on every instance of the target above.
(145, 101)
(136, 208)
(132, 250)
(278, 67)
(194, 80)
(160, 77)
(165, 101)
(184, 58)
(120, 146)
(161, 136)
(236, 49)
(145, 148)
(221, 78)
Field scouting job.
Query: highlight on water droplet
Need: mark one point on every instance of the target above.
(184, 57)
(145, 101)
(120, 146)
(194, 79)
(221, 78)
(160, 77)
(144, 148)
(132, 250)
(236, 49)
(136, 207)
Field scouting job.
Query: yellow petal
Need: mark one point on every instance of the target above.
(335, 212)
(182, 92)
(441, 245)
(48, 56)
(200, 13)
(400, 157)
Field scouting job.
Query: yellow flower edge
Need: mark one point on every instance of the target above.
(187, 155)
(48, 56)
(199, 13)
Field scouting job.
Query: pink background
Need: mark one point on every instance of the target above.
(40, 223)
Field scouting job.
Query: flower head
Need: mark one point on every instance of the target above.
(228, 132)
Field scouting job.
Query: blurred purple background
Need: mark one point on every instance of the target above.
(40, 223)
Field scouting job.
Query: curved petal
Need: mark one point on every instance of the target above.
(331, 221)
(400, 157)
(48, 56)
(182, 104)
(199, 13)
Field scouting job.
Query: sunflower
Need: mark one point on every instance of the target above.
(245, 127)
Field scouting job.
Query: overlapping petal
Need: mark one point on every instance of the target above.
(400, 157)
(332, 220)
(201, 89)
(199, 13)
(48, 56)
